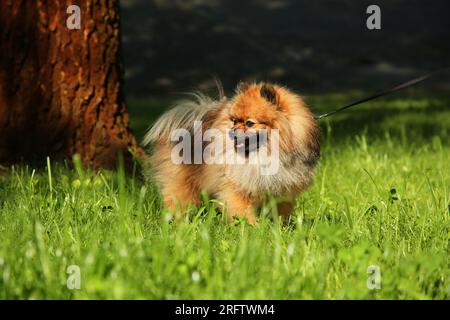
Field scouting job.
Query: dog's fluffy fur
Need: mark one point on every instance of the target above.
(240, 187)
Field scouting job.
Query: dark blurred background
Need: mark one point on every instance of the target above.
(315, 47)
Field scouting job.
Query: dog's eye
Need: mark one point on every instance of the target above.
(249, 123)
(235, 121)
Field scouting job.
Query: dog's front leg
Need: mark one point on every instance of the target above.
(239, 205)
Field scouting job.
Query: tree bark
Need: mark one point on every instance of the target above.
(60, 89)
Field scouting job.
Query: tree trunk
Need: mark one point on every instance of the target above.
(60, 89)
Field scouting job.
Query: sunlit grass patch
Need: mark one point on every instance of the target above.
(381, 198)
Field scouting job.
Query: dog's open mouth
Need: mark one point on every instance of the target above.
(247, 142)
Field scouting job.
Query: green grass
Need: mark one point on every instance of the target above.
(381, 197)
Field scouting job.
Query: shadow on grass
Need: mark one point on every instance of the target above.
(312, 45)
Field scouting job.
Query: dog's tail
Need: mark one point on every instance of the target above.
(181, 116)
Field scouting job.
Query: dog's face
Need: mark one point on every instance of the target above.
(252, 115)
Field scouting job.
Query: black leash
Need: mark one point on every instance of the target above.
(383, 93)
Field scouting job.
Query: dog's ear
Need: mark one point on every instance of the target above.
(269, 93)
(242, 86)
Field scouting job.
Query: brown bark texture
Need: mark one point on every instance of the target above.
(60, 89)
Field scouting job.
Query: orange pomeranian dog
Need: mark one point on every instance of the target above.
(263, 142)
